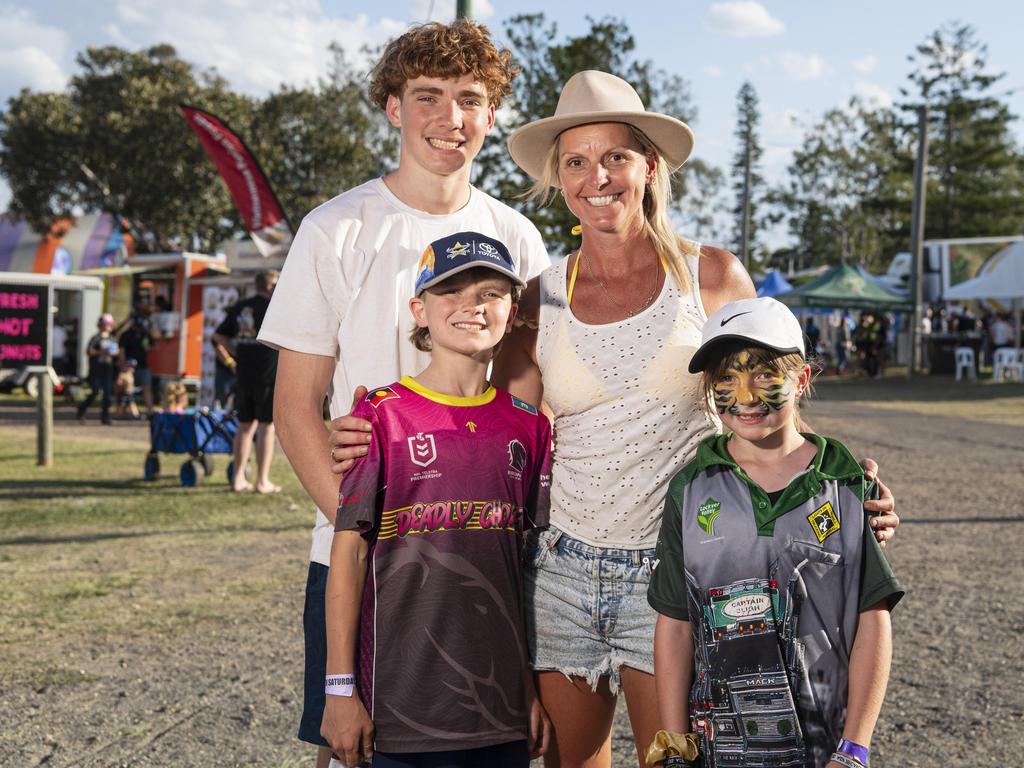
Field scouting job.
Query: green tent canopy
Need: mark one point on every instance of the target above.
(844, 287)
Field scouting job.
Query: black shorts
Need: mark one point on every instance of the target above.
(511, 754)
(314, 625)
(254, 400)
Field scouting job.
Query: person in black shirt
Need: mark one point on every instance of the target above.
(135, 345)
(255, 367)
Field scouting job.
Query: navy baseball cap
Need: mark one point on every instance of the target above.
(459, 252)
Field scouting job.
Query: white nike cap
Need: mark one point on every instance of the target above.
(764, 322)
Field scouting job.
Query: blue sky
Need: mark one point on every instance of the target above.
(802, 57)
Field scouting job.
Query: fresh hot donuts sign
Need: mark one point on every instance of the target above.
(23, 325)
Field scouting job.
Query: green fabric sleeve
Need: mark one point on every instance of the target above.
(877, 581)
(667, 590)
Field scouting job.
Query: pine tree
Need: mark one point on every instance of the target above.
(747, 120)
(975, 169)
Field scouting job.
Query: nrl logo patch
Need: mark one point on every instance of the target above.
(824, 521)
(707, 513)
(422, 449)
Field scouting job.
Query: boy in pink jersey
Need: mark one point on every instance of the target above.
(426, 650)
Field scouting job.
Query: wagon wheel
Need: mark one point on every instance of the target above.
(192, 473)
(152, 468)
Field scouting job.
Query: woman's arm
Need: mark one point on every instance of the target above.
(515, 368)
(673, 672)
(722, 279)
(346, 724)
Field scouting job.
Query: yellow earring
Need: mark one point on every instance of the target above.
(577, 230)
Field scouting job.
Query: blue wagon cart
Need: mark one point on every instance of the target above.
(198, 432)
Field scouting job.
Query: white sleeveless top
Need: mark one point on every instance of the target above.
(628, 415)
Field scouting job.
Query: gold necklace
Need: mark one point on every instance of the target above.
(629, 312)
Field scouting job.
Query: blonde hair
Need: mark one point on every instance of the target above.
(175, 396)
(669, 246)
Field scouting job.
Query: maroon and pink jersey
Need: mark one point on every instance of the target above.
(448, 488)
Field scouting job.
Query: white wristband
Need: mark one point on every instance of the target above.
(340, 685)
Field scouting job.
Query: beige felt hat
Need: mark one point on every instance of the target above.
(597, 97)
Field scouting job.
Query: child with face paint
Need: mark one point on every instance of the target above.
(773, 639)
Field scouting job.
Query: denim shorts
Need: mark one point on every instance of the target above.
(586, 608)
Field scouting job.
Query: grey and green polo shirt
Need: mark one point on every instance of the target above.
(773, 592)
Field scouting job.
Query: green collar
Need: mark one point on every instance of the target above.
(831, 462)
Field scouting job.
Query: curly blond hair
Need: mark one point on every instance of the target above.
(444, 51)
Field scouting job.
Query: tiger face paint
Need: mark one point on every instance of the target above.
(746, 386)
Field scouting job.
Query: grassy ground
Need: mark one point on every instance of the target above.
(150, 624)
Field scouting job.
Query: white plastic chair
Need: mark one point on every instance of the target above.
(965, 363)
(1007, 360)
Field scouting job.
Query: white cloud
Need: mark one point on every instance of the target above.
(255, 45)
(744, 18)
(865, 65)
(872, 94)
(712, 71)
(30, 53)
(800, 66)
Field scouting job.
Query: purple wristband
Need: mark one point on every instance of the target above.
(854, 750)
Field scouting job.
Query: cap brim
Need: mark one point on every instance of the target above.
(700, 358)
(516, 279)
(529, 144)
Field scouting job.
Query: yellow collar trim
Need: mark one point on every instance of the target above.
(482, 399)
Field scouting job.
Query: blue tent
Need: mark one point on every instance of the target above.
(773, 284)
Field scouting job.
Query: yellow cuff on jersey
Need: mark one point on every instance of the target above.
(666, 745)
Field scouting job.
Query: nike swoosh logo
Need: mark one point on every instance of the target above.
(735, 316)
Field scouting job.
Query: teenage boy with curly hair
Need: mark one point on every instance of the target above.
(353, 264)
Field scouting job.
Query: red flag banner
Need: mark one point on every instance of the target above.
(256, 201)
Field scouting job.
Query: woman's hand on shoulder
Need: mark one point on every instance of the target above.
(722, 279)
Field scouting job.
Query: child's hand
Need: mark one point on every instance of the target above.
(884, 518)
(348, 729)
(540, 728)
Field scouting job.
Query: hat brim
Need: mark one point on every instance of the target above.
(699, 360)
(529, 144)
(516, 279)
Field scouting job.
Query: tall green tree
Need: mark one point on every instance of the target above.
(848, 195)
(975, 168)
(114, 141)
(314, 143)
(547, 62)
(748, 119)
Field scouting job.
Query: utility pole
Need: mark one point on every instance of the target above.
(745, 222)
(917, 237)
(463, 9)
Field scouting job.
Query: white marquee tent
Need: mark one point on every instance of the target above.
(1002, 278)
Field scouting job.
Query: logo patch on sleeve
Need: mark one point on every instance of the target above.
(824, 521)
(378, 396)
(707, 513)
(523, 406)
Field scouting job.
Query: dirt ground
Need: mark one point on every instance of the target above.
(183, 645)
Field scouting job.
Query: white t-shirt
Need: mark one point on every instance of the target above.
(345, 287)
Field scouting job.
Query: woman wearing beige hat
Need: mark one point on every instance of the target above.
(607, 338)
